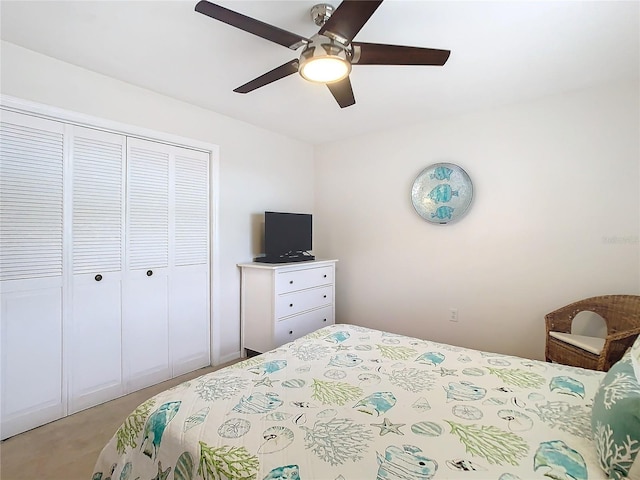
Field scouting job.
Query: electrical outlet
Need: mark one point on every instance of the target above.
(453, 314)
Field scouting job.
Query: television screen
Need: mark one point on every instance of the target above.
(286, 233)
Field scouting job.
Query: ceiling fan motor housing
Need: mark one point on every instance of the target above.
(320, 13)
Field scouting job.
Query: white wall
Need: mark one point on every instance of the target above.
(251, 159)
(555, 218)
(556, 214)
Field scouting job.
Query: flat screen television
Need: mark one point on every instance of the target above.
(287, 237)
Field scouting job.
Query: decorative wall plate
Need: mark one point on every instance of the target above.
(442, 193)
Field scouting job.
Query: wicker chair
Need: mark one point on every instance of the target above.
(622, 316)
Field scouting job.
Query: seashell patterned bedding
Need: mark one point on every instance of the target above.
(351, 403)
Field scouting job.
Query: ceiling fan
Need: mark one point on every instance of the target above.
(327, 57)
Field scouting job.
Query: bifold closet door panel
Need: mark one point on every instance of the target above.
(95, 350)
(189, 324)
(145, 294)
(31, 260)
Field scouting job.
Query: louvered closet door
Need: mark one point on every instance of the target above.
(31, 259)
(189, 274)
(97, 169)
(146, 288)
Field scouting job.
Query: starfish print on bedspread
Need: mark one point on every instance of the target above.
(387, 427)
(264, 382)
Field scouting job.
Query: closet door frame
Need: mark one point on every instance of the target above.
(18, 105)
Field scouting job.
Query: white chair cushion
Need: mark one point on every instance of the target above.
(590, 344)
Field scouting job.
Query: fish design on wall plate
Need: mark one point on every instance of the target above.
(441, 173)
(443, 212)
(406, 463)
(442, 193)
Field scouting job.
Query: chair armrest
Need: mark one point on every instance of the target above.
(559, 320)
(615, 345)
(622, 335)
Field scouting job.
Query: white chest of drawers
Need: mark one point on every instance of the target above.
(282, 302)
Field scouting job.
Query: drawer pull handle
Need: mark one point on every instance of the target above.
(324, 296)
(98, 277)
(325, 275)
(290, 332)
(291, 304)
(290, 282)
(324, 320)
(149, 273)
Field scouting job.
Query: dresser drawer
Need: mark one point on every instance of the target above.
(301, 279)
(295, 327)
(293, 303)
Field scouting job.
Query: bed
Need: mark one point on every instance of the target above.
(350, 403)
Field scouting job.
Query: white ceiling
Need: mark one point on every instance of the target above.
(502, 52)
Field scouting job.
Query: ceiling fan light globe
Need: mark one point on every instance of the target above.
(325, 69)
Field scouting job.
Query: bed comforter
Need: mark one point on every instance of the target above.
(351, 403)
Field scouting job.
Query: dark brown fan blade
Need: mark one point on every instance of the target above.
(380, 54)
(350, 16)
(276, 74)
(342, 92)
(251, 25)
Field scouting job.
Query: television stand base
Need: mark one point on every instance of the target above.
(293, 258)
